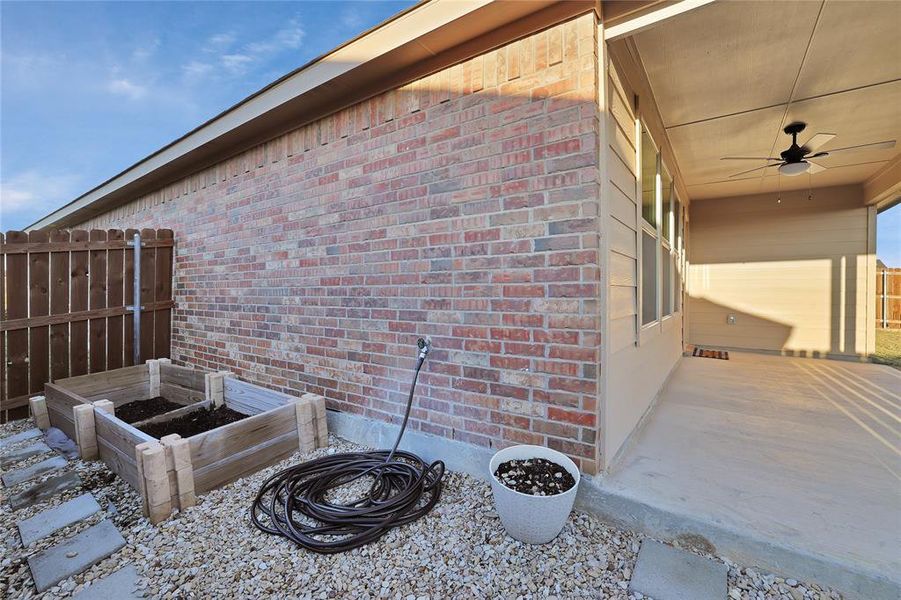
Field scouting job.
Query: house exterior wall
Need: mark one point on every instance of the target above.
(637, 360)
(795, 274)
(463, 206)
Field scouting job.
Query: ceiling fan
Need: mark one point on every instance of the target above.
(796, 159)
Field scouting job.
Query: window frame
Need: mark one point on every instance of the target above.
(671, 250)
(646, 227)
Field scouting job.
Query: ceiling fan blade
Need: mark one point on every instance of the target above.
(818, 140)
(750, 158)
(817, 155)
(814, 167)
(755, 169)
(874, 146)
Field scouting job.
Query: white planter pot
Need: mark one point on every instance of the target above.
(527, 518)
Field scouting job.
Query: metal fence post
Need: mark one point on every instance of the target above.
(136, 306)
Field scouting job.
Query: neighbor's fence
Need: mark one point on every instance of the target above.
(68, 306)
(888, 298)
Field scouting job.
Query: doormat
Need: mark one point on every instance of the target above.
(703, 353)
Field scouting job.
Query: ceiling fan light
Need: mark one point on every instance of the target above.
(791, 169)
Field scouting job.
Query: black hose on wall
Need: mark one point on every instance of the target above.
(404, 489)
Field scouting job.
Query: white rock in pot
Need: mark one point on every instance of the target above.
(527, 518)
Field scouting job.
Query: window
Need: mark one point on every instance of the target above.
(661, 235)
(648, 178)
(678, 253)
(648, 278)
(666, 190)
(650, 251)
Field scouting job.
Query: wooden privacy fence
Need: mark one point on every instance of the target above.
(888, 298)
(68, 306)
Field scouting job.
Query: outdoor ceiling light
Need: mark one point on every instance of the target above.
(795, 168)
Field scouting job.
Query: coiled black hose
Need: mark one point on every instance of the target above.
(293, 504)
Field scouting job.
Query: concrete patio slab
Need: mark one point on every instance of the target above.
(44, 490)
(28, 434)
(18, 476)
(44, 523)
(74, 555)
(790, 464)
(20, 454)
(121, 585)
(666, 573)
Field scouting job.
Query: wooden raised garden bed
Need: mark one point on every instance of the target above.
(262, 427)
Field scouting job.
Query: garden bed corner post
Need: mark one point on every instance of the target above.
(312, 431)
(214, 384)
(178, 460)
(38, 406)
(85, 431)
(155, 482)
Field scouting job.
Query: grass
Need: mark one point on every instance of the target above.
(888, 347)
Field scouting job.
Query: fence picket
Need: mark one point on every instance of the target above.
(114, 299)
(59, 305)
(148, 274)
(78, 284)
(96, 300)
(38, 306)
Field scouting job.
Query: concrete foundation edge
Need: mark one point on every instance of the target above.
(618, 509)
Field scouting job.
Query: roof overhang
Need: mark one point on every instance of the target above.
(421, 40)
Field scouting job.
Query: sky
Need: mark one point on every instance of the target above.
(89, 88)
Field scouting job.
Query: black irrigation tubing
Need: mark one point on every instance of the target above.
(404, 489)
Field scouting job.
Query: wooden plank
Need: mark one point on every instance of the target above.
(59, 408)
(213, 446)
(162, 337)
(148, 275)
(180, 394)
(183, 376)
(59, 305)
(82, 315)
(78, 331)
(118, 433)
(16, 308)
(172, 414)
(128, 292)
(58, 246)
(97, 300)
(97, 383)
(244, 397)
(243, 463)
(115, 299)
(39, 306)
(119, 462)
(123, 395)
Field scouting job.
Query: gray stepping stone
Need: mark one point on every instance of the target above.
(74, 555)
(121, 585)
(666, 573)
(44, 523)
(44, 490)
(19, 437)
(11, 458)
(36, 470)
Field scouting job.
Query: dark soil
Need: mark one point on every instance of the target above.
(194, 422)
(144, 409)
(536, 477)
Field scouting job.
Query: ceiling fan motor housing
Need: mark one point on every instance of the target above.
(795, 153)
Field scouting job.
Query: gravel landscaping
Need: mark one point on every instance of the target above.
(459, 550)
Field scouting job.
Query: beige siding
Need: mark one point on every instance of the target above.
(794, 274)
(635, 371)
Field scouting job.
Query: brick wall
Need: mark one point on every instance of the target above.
(462, 206)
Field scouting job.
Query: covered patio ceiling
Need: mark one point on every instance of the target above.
(729, 76)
